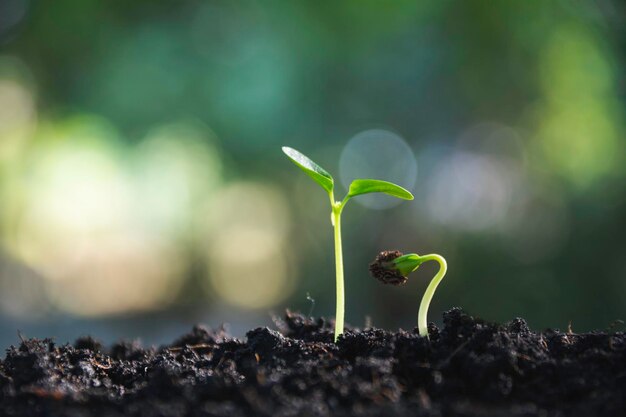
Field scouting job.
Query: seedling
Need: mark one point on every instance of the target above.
(392, 267)
(357, 187)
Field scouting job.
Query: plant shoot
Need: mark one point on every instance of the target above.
(392, 267)
(357, 187)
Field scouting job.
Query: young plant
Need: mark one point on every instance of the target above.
(392, 267)
(357, 187)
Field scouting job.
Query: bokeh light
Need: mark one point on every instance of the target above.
(474, 185)
(80, 221)
(248, 251)
(470, 191)
(175, 167)
(76, 224)
(579, 127)
(378, 154)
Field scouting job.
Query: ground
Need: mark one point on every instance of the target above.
(467, 368)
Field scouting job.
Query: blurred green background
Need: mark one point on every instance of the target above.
(142, 187)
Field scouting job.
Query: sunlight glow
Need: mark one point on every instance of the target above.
(248, 253)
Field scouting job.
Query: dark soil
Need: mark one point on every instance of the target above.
(468, 368)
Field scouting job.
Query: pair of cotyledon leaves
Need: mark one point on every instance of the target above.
(357, 187)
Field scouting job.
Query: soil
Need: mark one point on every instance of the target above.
(467, 368)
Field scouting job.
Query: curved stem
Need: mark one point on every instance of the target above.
(422, 322)
(339, 314)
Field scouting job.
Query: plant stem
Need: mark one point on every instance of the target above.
(339, 314)
(422, 322)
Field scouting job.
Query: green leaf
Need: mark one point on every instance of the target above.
(310, 168)
(407, 263)
(359, 187)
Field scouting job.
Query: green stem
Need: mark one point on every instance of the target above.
(422, 322)
(339, 314)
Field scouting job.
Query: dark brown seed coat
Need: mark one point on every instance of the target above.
(383, 269)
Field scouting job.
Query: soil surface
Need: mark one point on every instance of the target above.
(468, 368)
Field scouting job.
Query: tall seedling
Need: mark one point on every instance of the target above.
(357, 187)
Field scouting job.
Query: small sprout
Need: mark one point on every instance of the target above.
(384, 270)
(357, 187)
(392, 267)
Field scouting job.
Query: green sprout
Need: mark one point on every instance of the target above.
(392, 267)
(357, 187)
